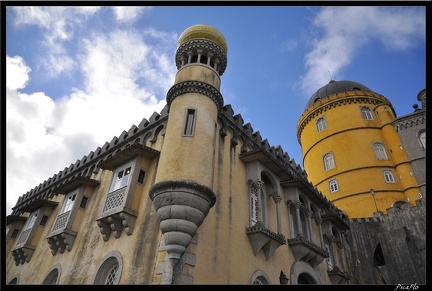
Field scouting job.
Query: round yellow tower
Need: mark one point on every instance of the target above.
(351, 151)
(183, 193)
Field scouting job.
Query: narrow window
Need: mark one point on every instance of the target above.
(328, 161)
(44, 220)
(366, 113)
(253, 207)
(51, 279)
(380, 152)
(321, 124)
(388, 176)
(15, 232)
(30, 223)
(189, 123)
(83, 202)
(333, 185)
(293, 221)
(422, 138)
(330, 261)
(141, 176)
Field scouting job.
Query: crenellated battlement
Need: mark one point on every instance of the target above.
(147, 130)
(392, 213)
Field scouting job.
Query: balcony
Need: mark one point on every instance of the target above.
(307, 251)
(337, 276)
(262, 238)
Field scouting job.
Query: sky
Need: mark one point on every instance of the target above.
(78, 76)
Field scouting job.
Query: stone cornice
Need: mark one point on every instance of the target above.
(409, 120)
(195, 87)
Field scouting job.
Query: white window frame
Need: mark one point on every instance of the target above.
(388, 176)
(121, 177)
(333, 186)
(31, 221)
(367, 113)
(321, 124)
(380, 151)
(69, 201)
(330, 261)
(421, 135)
(253, 207)
(329, 162)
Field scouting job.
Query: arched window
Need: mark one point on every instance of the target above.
(253, 205)
(366, 113)
(52, 277)
(14, 281)
(321, 124)
(388, 176)
(333, 186)
(421, 135)
(260, 278)
(329, 248)
(110, 270)
(261, 193)
(301, 225)
(380, 152)
(328, 160)
(293, 221)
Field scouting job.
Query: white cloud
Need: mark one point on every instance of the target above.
(345, 30)
(57, 21)
(129, 14)
(16, 73)
(28, 146)
(58, 24)
(125, 76)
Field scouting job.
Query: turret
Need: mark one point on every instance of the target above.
(183, 193)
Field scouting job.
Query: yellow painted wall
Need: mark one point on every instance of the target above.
(349, 137)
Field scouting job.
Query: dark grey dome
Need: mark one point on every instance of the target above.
(334, 87)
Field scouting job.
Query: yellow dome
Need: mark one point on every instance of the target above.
(203, 31)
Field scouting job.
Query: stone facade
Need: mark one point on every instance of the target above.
(390, 249)
(195, 196)
(191, 196)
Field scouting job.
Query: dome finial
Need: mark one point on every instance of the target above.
(203, 31)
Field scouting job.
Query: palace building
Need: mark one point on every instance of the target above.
(196, 196)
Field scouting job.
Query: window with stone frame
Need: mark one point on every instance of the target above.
(366, 112)
(380, 151)
(321, 124)
(110, 271)
(299, 224)
(333, 186)
(421, 135)
(329, 162)
(190, 120)
(24, 246)
(388, 176)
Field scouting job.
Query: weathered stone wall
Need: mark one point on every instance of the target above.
(390, 249)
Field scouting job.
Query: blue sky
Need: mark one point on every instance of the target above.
(78, 76)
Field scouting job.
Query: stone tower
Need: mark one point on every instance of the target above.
(352, 152)
(183, 193)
